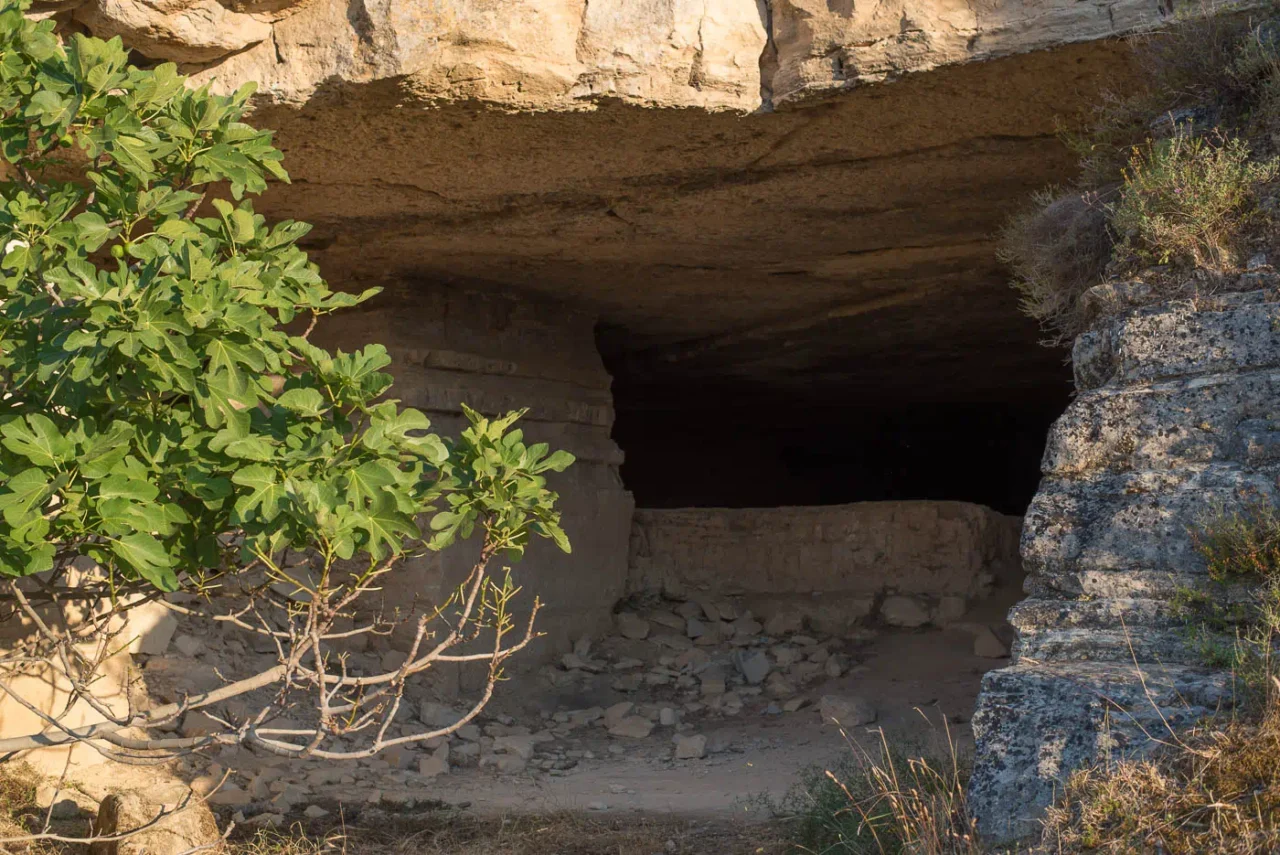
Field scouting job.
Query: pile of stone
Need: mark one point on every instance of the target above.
(706, 658)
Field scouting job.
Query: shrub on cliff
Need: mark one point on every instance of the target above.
(166, 423)
(1189, 201)
(1175, 171)
(1058, 248)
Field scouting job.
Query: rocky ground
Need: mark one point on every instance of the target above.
(690, 708)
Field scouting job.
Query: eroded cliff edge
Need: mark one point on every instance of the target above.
(1175, 415)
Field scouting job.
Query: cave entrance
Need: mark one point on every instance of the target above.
(864, 528)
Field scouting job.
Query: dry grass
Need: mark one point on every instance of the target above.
(552, 834)
(1058, 248)
(1216, 790)
(886, 801)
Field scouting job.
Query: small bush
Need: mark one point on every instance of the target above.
(893, 801)
(1058, 249)
(1235, 621)
(1188, 201)
(1197, 60)
(1242, 544)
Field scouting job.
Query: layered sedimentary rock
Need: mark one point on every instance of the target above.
(496, 355)
(838, 565)
(682, 169)
(1176, 414)
(539, 54)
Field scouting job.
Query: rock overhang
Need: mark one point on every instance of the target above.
(843, 245)
(734, 188)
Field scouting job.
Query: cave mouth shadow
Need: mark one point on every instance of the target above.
(730, 447)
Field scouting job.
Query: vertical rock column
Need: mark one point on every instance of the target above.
(498, 353)
(1177, 411)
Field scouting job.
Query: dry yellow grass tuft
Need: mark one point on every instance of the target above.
(1216, 790)
(549, 834)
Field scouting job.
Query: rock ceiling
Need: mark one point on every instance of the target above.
(742, 191)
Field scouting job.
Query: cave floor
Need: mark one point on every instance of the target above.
(914, 679)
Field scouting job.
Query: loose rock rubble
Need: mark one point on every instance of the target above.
(675, 683)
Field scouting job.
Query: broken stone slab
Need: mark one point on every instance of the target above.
(632, 727)
(727, 610)
(692, 747)
(581, 718)
(189, 645)
(199, 723)
(466, 754)
(182, 831)
(805, 672)
(899, 610)
(438, 762)
(617, 713)
(785, 655)
(632, 626)
(628, 682)
(436, 715)
(151, 627)
(666, 619)
(510, 764)
(846, 710)
(695, 628)
(713, 681)
(988, 645)
(784, 623)
(522, 745)
(753, 665)
(392, 660)
(778, 686)
(230, 795)
(671, 640)
(688, 610)
(693, 660)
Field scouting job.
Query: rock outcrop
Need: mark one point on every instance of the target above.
(1176, 412)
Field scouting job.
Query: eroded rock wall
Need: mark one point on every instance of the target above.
(497, 354)
(1178, 411)
(562, 54)
(908, 563)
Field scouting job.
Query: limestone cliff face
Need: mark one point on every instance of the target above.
(558, 54)
(1176, 412)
